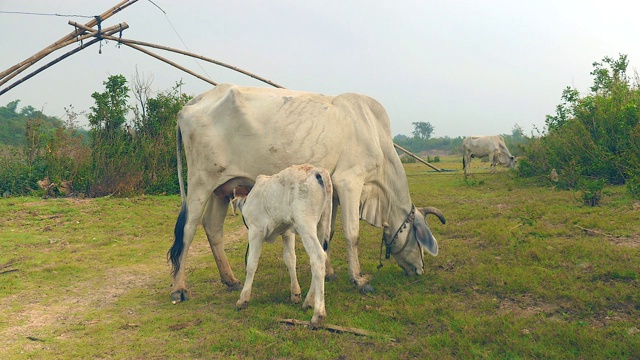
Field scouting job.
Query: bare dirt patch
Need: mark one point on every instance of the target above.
(525, 306)
(39, 312)
(632, 242)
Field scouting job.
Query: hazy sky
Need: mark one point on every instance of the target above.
(467, 67)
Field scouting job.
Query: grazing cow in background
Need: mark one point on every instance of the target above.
(300, 199)
(232, 134)
(491, 146)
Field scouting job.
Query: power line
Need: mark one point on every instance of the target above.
(179, 37)
(43, 14)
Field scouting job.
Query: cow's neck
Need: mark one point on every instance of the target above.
(386, 203)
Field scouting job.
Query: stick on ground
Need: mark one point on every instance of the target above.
(330, 327)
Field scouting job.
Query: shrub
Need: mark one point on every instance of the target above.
(595, 136)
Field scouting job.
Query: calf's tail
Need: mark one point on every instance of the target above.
(325, 220)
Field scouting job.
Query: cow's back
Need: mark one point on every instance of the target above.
(233, 131)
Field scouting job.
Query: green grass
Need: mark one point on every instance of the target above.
(517, 278)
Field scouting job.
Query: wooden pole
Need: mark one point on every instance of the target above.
(167, 61)
(108, 31)
(415, 156)
(18, 68)
(142, 43)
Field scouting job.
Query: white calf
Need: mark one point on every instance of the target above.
(297, 198)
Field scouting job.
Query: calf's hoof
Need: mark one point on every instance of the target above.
(179, 296)
(241, 304)
(316, 321)
(296, 298)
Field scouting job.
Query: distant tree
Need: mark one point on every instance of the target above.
(422, 130)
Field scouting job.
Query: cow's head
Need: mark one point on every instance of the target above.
(406, 243)
(511, 162)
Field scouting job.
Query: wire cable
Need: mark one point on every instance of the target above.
(43, 14)
(179, 37)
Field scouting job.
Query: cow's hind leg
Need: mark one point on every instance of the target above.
(213, 222)
(185, 231)
(255, 247)
(289, 256)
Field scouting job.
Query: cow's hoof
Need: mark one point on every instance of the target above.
(367, 289)
(331, 277)
(234, 286)
(179, 296)
(241, 304)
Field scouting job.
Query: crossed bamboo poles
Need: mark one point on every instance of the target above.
(85, 32)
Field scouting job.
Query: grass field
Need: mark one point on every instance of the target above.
(524, 271)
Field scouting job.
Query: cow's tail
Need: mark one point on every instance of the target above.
(178, 243)
(325, 219)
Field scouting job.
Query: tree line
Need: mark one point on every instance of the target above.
(591, 141)
(116, 156)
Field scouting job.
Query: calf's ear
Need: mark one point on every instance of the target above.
(424, 235)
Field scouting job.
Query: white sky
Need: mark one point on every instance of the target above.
(466, 66)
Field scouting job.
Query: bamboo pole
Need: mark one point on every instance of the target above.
(21, 66)
(168, 62)
(204, 58)
(109, 31)
(415, 156)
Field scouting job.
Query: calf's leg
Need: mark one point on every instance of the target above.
(289, 256)
(317, 258)
(255, 247)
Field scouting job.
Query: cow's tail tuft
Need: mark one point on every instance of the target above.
(178, 243)
(463, 163)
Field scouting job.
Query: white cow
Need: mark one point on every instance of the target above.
(232, 134)
(298, 198)
(491, 146)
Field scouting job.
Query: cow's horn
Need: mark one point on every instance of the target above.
(434, 211)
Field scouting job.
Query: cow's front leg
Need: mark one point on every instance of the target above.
(289, 256)
(350, 223)
(213, 222)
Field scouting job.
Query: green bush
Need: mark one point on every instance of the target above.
(595, 136)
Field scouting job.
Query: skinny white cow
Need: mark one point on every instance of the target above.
(298, 198)
(491, 146)
(232, 134)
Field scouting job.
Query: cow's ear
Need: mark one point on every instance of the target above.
(424, 235)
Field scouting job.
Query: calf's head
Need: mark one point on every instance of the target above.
(411, 239)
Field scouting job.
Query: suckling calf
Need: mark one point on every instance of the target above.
(299, 198)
